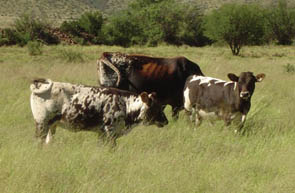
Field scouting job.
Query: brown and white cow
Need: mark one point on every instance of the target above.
(81, 107)
(138, 73)
(206, 96)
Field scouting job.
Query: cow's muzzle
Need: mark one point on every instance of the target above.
(245, 94)
(162, 124)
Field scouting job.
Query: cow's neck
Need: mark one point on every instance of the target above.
(133, 108)
(69, 88)
(241, 104)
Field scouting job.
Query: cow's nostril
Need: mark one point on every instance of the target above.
(245, 94)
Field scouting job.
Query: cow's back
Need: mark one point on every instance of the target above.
(166, 76)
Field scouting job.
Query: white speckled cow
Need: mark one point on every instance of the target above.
(82, 107)
(206, 96)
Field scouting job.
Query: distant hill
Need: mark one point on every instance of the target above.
(56, 11)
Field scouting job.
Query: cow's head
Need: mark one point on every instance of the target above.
(246, 83)
(40, 86)
(152, 111)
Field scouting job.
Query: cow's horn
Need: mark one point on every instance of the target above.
(41, 86)
(113, 67)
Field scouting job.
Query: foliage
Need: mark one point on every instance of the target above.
(191, 29)
(29, 28)
(34, 48)
(11, 37)
(121, 29)
(281, 22)
(236, 24)
(154, 22)
(88, 27)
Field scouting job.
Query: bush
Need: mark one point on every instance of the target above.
(71, 27)
(12, 37)
(235, 24)
(153, 22)
(191, 31)
(3, 40)
(31, 29)
(87, 27)
(281, 22)
(34, 48)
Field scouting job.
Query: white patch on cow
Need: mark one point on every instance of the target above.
(48, 137)
(134, 103)
(187, 102)
(205, 114)
(209, 80)
(227, 83)
(243, 118)
(195, 77)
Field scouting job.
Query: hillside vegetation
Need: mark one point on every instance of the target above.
(56, 11)
(175, 158)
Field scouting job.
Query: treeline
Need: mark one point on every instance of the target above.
(154, 22)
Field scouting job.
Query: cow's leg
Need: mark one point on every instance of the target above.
(241, 124)
(175, 112)
(109, 135)
(42, 130)
(198, 120)
(50, 134)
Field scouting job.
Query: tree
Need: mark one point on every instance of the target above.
(236, 24)
(281, 22)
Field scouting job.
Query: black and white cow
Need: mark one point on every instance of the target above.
(206, 96)
(81, 107)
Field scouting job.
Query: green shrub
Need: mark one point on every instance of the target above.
(71, 27)
(3, 40)
(34, 48)
(281, 22)
(13, 37)
(191, 31)
(152, 22)
(91, 22)
(236, 24)
(122, 30)
(87, 27)
(29, 28)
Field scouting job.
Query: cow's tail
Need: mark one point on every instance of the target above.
(104, 60)
(41, 85)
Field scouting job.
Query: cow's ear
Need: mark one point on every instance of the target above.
(260, 77)
(233, 77)
(144, 97)
(153, 95)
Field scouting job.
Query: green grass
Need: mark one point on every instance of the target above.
(176, 158)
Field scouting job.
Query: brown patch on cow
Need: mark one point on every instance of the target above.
(156, 71)
(148, 69)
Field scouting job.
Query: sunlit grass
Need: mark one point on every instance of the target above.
(175, 158)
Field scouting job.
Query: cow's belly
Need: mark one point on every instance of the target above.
(220, 114)
(168, 91)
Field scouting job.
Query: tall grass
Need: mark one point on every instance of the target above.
(176, 158)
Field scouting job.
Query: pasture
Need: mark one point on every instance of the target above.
(176, 158)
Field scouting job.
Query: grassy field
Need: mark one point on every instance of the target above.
(173, 159)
